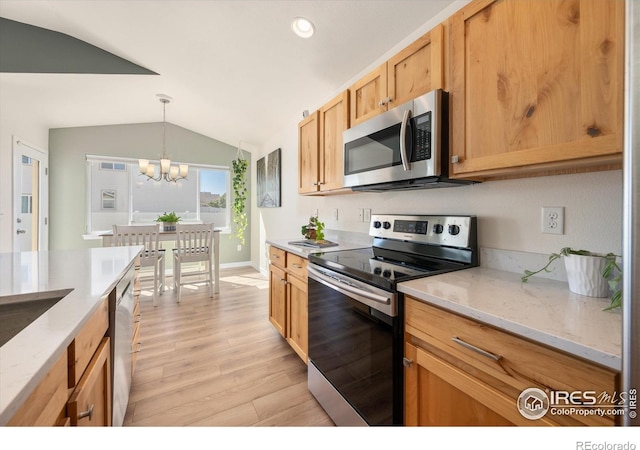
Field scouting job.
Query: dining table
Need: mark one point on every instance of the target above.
(171, 236)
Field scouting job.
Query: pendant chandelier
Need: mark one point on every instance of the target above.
(167, 171)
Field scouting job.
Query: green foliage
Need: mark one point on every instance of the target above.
(615, 283)
(170, 217)
(239, 183)
(220, 202)
(314, 225)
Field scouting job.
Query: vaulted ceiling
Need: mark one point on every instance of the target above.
(235, 70)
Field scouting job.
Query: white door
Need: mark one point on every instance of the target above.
(30, 197)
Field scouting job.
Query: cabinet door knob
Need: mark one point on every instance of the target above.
(455, 159)
(407, 362)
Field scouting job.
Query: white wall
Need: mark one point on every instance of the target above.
(20, 120)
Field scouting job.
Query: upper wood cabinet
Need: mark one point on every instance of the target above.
(320, 167)
(412, 72)
(308, 144)
(536, 86)
(334, 120)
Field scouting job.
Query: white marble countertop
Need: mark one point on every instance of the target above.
(304, 252)
(27, 357)
(541, 310)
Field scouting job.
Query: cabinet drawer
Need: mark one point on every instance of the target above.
(45, 406)
(277, 257)
(87, 340)
(297, 266)
(518, 363)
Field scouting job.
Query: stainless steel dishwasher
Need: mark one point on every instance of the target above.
(122, 330)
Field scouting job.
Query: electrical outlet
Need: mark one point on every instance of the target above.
(367, 215)
(360, 215)
(239, 247)
(553, 219)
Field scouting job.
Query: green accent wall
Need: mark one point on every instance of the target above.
(68, 191)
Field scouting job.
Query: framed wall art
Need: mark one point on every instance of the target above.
(268, 173)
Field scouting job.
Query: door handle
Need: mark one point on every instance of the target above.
(20, 231)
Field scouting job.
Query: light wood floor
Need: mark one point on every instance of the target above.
(218, 361)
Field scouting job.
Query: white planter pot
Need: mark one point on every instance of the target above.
(584, 274)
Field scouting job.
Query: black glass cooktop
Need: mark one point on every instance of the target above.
(369, 265)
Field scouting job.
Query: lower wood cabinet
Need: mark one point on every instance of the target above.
(46, 406)
(288, 298)
(462, 372)
(90, 403)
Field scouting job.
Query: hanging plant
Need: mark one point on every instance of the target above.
(239, 168)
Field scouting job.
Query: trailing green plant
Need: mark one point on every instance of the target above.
(314, 229)
(239, 184)
(615, 283)
(168, 217)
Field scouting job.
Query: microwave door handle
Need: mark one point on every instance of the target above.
(406, 165)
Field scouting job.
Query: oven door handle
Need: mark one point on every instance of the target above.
(346, 288)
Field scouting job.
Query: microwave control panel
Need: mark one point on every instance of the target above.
(422, 146)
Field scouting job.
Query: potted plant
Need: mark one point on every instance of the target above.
(314, 230)
(168, 221)
(588, 273)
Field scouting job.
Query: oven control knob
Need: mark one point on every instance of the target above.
(386, 273)
(377, 270)
(454, 229)
(438, 228)
(386, 225)
(377, 224)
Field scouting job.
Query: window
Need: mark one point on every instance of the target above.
(200, 198)
(27, 204)
(113, 166)
(108, 199)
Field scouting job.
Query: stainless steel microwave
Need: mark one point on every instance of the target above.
(403, 148)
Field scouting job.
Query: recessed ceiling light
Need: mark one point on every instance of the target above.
(302, 27)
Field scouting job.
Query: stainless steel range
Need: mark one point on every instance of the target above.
(356, 312)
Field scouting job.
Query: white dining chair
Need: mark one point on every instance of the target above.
(152, 256)
(194, 244)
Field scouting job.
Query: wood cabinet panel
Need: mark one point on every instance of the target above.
(368, 95)
(277, 299)
(46, 404)
(297, 266)
(308, 145)
(334, 120)
(90, 404)
(518, 364)
(535, 85)
(298, 323)
(415, 70)
(277, 257)
(87, 341)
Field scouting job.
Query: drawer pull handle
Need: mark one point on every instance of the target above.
(489, 355)
(138, 350)
(296, 266)
(88, 413)
(407, 362)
